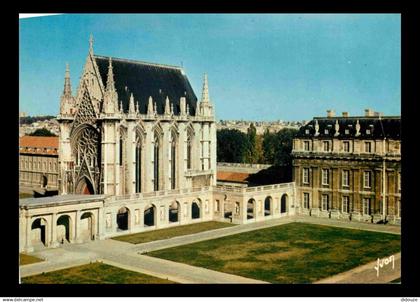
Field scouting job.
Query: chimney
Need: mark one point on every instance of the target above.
(345, 114)
(330, 113)
(369, 112)
(377, 114)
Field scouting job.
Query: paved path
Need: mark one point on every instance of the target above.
(127, 256)
(368, 274)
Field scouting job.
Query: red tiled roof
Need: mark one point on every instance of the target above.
(39, 144)
(232, 176)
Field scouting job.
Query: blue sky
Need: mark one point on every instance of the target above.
(260, 66)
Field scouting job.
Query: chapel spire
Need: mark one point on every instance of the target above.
(110, 84)
(205, 95)
(91, 44)
(205, 106)
(111, 96)
(67, 83)
(67, 100)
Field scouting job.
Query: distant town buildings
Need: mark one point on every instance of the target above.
(260, 126)
(49, 124)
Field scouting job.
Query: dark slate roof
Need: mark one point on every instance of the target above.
(148, 79)
(388, 126)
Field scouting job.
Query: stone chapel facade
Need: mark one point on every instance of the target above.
(134, 127)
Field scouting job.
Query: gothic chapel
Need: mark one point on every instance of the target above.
(134, 127)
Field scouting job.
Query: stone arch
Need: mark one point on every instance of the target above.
(174, 211)
(39, 231)
(251, 208)
(268, 206)
(196, 209)
(44, 181)
(140, 135)
(150, 215)
(87, 226)
(284, 203)
(189, 145)
(173, 143)
(157, 157)
(84, 142)
(123, 219)
(64, 228)
(84, 186)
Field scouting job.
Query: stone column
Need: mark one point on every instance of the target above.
(53, 224)
(77, 224)
(28, 244)
(100, 233)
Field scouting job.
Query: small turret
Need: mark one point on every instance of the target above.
(131, 109)
(205, 106)
(150, 106)
(182, 105)
(67, 100)
(167, 107)
(111, 96)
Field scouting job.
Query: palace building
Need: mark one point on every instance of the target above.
(349, 167)
(38, 162)
(134, 127)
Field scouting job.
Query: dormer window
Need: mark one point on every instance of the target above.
(367, 131)
(326, 131)
(347, 131)
(306, 131)
(368, 147)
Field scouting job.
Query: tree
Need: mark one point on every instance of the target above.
(250, 153)
(42, 132)
(277, 147)
(231, 146)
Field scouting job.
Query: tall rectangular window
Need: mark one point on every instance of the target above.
(121, 152)
(306, 200)
(305, 176)
(368, 147)
(325, 202)
(325, 177)
(366, 206)
(399, 182)
(346, 146)
(138, 169)
(306, 145)
(345, 204)
(326, 145)
(173, 165)
(345, 177)
(366, 179)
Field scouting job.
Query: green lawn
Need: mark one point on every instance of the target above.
(94, 273)
(27, 259)
(172, 232)
(291, 253)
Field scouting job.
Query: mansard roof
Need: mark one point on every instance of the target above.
(148, 79)
(370, 127)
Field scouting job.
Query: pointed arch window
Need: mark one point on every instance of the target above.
(189, 143)
(173, 160)
(138, 163)
(156, 163)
